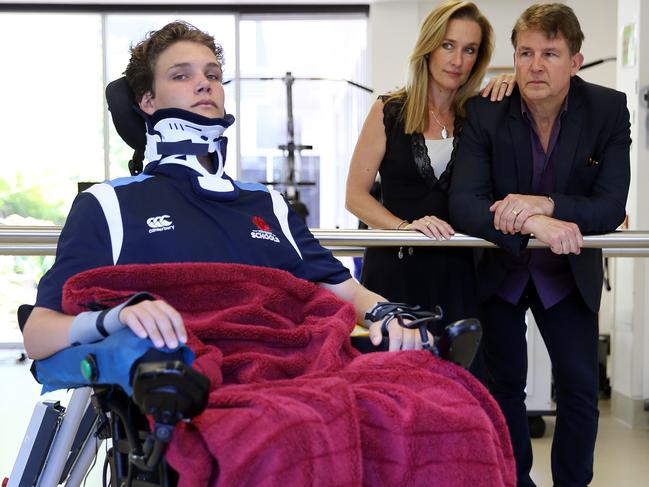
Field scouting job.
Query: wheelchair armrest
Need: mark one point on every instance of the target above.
(459, 342)
(111, 362)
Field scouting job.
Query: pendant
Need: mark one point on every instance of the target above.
(444, 132)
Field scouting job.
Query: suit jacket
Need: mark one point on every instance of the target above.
(494, 159)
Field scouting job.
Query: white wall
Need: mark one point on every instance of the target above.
(393, 28)
(392, 31)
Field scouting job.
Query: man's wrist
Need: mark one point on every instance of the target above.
(549, 205)
(92, 326)
(528, 226)
(371, 316)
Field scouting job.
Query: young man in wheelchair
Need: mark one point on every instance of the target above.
(185, 208)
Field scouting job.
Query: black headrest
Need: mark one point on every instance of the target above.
(129, 124)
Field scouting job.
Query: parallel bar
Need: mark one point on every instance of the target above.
(378, 238)
(27, 249)
(34, 240)
(29, 234)
(613, 252)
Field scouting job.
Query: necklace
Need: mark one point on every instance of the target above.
(444, 132)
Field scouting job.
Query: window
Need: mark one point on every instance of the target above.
(327, 113)
(52, 124)
(57, 133)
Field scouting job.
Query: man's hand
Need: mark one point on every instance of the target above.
(399, 338)
(364, 302)
(511, 213)
(562, 237)
(156, 320)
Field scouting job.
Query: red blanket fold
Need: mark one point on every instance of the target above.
(292, 403)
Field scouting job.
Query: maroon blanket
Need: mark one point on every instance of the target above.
(292, 403)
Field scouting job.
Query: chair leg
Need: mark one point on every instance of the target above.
(36, 444)
(84, 461)
(52, 432)
(63, 441)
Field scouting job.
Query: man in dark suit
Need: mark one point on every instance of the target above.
(552, 160)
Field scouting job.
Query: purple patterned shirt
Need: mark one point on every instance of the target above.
(550, 272)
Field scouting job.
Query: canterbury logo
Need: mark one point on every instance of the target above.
(159, 223)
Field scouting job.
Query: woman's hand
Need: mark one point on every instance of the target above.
(499, 87)
(432, 227)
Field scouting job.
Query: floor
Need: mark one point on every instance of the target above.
(621, 453)
(621, 456)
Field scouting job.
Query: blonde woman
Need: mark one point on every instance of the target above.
(408, 138)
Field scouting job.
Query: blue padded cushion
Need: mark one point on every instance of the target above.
(114, 356)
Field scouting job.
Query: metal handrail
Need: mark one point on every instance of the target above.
(41, 240)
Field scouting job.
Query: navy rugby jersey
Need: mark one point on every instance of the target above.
(159, 217)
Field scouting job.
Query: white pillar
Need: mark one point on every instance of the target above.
(631, 324)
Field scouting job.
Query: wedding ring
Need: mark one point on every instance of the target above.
(516, 212)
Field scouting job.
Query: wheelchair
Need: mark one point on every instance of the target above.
(138, 411)
(61, 443)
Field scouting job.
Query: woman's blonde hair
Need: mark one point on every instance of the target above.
(431, 36)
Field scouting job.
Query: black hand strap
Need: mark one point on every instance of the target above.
(383, 308)
(419, 318)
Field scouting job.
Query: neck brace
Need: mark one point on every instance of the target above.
(176, 136)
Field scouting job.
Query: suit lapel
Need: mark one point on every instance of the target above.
(520, 134)
(568, 138)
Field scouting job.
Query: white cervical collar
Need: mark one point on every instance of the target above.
(176, 136)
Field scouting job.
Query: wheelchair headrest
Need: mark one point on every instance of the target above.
(129, 124)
